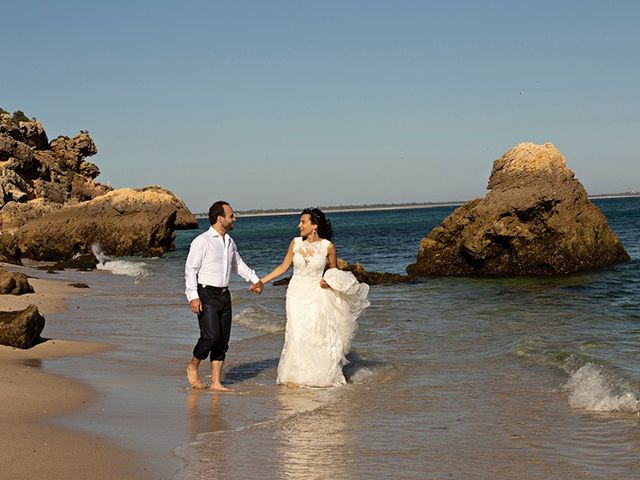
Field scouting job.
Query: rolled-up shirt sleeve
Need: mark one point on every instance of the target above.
(191, 268)
(242, 268)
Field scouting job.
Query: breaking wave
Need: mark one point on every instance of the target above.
(597, 389)
(593, 384)
(119, 267)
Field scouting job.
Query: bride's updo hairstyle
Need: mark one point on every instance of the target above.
(318, 218)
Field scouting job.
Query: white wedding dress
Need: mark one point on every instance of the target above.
(321, 322)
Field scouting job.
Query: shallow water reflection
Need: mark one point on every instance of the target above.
(315, 442)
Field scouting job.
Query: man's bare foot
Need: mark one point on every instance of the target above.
(218, 387)
(292, 385)
(194, 378)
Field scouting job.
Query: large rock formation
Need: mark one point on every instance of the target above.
(22, 328)
(122, 222)
(184, 218)
(535, 220)
(15, 214)
(44, 182)
(56, 173)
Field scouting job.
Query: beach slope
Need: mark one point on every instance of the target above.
(30, 445)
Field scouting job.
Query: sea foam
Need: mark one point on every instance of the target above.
(119, 267)
(259, 319)
(593, 388)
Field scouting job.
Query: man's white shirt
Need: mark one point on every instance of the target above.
(212, 257)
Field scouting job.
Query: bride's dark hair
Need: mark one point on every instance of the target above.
(318, 218)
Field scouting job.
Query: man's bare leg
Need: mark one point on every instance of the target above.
(192, 374)
(216, 377)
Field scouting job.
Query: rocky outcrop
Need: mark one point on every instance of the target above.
(81, 262)
(71, 152)
(43, 183)
(372, 278)
(122, 222)
(21, 329)
(535, 220)
(14, 283)
(184, 218)
(31, 168)
(9, 248)
(14, 214)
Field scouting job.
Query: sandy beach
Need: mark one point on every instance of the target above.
(30, 445)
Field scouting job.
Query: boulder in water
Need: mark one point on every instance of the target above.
(535, 220)
(372, 278)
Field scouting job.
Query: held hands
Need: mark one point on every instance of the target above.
(257, 287)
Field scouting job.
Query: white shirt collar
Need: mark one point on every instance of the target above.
(214, 233)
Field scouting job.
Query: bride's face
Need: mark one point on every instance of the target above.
(305, 226)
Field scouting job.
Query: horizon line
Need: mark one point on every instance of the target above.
(384, 206)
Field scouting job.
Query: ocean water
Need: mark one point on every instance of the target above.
(470, 378)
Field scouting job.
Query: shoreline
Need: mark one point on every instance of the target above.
(31, 444)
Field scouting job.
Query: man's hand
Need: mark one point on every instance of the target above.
(196, 305)
(257, 287)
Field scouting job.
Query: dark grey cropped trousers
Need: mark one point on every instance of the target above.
(215, 323)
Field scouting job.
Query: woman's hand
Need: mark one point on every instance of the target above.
(324, 284)
(257, 287)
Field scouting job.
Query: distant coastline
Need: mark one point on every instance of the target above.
(384, 206)
(340, 208)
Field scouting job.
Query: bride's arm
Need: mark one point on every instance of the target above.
(282, 268)
(332, 262)
(332, 257)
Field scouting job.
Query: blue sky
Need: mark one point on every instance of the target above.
(274, 104)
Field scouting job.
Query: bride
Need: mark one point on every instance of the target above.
(322, 307)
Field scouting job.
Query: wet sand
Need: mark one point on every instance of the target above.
(50, 295)
(30, 445)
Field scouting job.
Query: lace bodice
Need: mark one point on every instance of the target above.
(309, 258)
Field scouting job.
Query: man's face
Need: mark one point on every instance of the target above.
(228, 220)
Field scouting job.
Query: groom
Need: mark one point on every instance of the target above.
(213, 255)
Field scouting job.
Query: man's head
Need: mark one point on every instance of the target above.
(221, 215)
